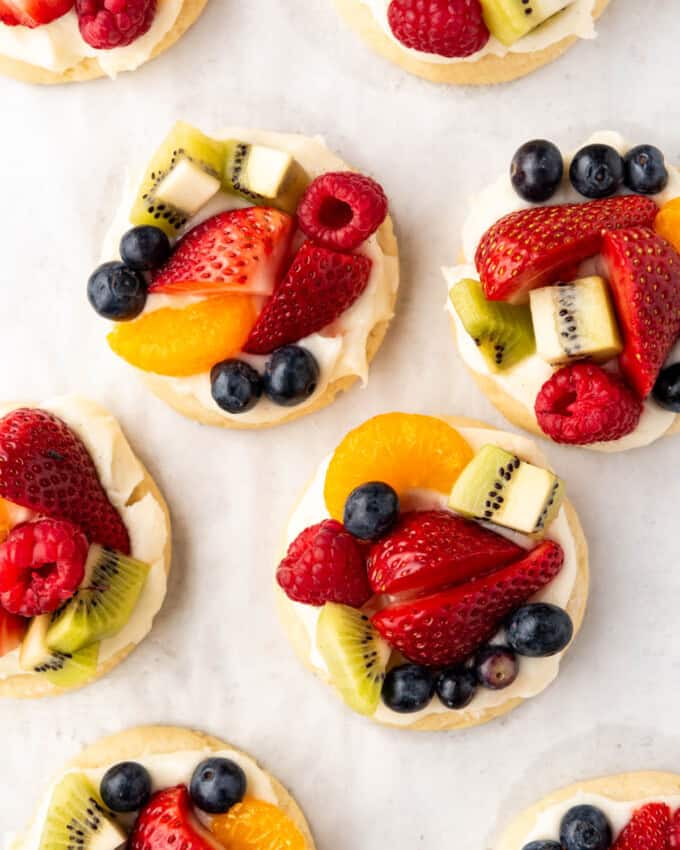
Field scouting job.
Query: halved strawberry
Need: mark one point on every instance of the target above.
(542, 245)
(644, 275)
(320, 285)
(44, 466)
(428, 550)
(167, 821)
(674, 842)
(32, 13)
(12, 631)
(236, 251)
(648, 829)
(447, 627)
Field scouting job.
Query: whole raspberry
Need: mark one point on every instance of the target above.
(452, 28)
(583, 404)
(340, 210)
(325, 564)
(41, 566)
(105, 24)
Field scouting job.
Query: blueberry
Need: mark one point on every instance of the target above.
(235, 385)
(496, 667)
(667, 388)
(456, 686)
(596, 171)
(645, 170)
(585, 828)
(536, 170)
(217, 785)
(543, 845)
(539, 630)
(291, 375)
(144, 248)
(371, 510)
(408, 688)
(126, 787)
(117, 292)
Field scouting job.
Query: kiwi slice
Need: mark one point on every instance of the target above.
(575, 320)
(502, 332)
(77, 820)
(184, 174)
(509, 20)
(102, 605)
(63, 669)
(498, 487)
(264, 175)
(355, 654)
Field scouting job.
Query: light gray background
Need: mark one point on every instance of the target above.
(217, 658)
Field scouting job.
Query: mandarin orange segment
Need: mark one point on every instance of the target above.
(256, 825)
(667, 223)
(186, 341)
(407, 451)
(5, 522)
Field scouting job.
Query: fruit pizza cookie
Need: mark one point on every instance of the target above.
(161, 787)
(60, 41)
(434, 573)
(633, 811)
(84, 546)
(566, 305)
(251, 277)
(472, 42)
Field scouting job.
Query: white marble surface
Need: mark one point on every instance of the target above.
(217, 658)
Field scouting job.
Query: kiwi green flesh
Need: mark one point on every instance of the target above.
(183, 142)
(503, 332)
(103, 604)
(510, 20)
(236, 180)
(355, 654)
(62, 669)
(77, 820)
(497, 487)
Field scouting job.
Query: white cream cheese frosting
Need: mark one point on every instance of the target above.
(535, 674)
(575, 20)
(167, 770)
(341, 350)
(59, 46)
(619, 813)
(120, 474)
(524, 381)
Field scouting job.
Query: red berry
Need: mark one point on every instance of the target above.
(542, 245)
(12, 631)
(648, 829)
(45, 467)
(675, 831)
(445, 27)
(32, 13)
(340, 210)
(432, 549)
(644, 274)
(448, 627)
(41, 566)
(325, 564)
(583, 404)
(236, 251)
(105, 24)
(319, 286)
(167, 821)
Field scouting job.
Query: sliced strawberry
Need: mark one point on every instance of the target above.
(320, 285)
(674, 842)
(33, 13)
(12, 631)
(447, 627)
(428, 550)
(236, 251)
(540, 245)
(44, 466)
(648, 829)
(167, 821)
(644, 274)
